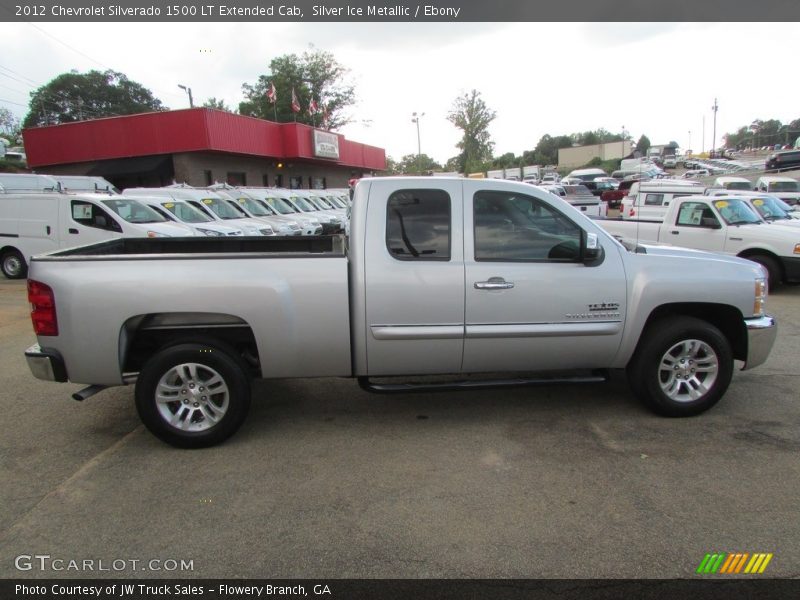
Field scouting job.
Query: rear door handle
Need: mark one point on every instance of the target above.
(494, 283)
(73, 230)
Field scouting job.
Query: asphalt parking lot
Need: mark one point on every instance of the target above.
(325, 480)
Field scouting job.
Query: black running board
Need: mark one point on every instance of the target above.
(478, 384)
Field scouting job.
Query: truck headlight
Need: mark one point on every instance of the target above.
(152, 234)
(266, 231)
(760, 296)
(209, 232)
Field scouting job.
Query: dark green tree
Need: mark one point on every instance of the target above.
(315, 75)
(77, 96)
(470, 114)
(643, 145)
(412, 163)
(218, 104)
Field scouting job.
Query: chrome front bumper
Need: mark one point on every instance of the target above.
(761, 333)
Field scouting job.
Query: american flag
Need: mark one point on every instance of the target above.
(272, 95)
(295, 102)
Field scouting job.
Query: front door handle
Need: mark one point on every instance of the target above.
(674, 232)
(73, 230)
(494, 283)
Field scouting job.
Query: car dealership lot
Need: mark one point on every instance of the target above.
(325, 480)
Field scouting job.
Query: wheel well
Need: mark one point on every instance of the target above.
(727, 319)
(5, 249)
(143, 335)
(751, 252)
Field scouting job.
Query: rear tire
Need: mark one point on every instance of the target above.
(682, 367)
(193, 395)
(13, 265)
(773, 269)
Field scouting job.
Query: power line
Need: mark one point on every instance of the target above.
(29, 80)
(10, 102)
(70, 47)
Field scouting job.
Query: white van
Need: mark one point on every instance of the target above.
(85, 183)
(36, 222)
(648, 200)
(275, 200)
(183, 212)
(785, 188)
(587, 174)
(211, 204)
(255, 209)
(733, 183)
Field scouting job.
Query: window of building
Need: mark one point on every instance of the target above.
(209, 177)
(512, 227)
(295, 183)
(418, 225)
(317, 183)
(279, 180)
(265, 180)
(236, 178)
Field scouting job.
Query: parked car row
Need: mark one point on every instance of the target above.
(40, 213)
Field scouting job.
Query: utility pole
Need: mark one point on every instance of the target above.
(188, 90)
(715, 108)
(703, 147)
(415, 119)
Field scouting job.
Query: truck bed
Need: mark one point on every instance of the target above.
(290, 293)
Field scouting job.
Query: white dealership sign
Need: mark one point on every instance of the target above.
(326, 145)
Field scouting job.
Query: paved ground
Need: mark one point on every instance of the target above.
(325, 480)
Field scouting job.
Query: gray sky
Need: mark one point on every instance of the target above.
(659, 79)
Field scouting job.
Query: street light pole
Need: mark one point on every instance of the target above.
(188, 90)
(715, 108)
(415, 119)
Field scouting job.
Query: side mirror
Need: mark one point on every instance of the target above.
(592, 251)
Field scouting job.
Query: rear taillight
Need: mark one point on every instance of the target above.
(43, 308)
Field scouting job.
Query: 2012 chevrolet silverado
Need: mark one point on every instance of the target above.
(439, 276)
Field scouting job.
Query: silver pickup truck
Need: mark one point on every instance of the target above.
(490, 282)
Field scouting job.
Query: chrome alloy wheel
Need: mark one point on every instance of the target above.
(688, 370)
(192, 397)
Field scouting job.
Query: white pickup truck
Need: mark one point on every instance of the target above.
(441, 276)
(725, 224)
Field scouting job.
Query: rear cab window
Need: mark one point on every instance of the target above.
(418, 225)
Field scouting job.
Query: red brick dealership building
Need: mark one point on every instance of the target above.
(200, 146)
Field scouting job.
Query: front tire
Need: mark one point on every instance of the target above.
(772, 267)
(193, 395)
(682, 367)
(13, 265)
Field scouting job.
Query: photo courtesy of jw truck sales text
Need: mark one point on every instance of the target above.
(475, 250)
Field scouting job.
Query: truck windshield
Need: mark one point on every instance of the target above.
(222, 209)
(770, 209)
(186, 212)
(254, 207)
(739, 185)
(784, 186)
(280, 206)
(134, 211)
(736, 212)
